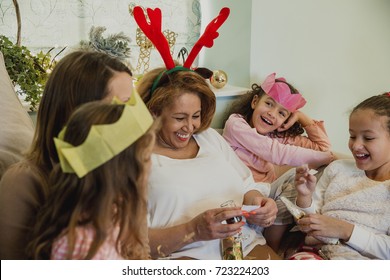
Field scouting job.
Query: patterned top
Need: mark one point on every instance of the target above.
(84, 239)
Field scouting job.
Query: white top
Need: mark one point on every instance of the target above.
(346, 193)
(180, 189)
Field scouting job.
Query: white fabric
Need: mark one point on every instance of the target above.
(346, 193)
(179, 190)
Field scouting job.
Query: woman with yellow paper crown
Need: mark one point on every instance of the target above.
(96, 207)
(193, 168)
(79, 77)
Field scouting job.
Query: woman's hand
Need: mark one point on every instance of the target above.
(305, 184)
(317, 225)
(211, 223)
(265, 215)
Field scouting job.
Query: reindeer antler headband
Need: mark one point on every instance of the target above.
(152, 30)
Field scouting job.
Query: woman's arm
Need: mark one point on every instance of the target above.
(206, 226)
(20, 199)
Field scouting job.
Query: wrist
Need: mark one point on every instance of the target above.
(347, 232)
(303, 201)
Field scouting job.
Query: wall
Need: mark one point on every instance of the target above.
(231, 50)
(337, 53)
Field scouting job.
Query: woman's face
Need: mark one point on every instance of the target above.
(369, 142)
(121, 86)
(181, 120)
(268, 115)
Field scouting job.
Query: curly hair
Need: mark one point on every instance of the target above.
(243, 107)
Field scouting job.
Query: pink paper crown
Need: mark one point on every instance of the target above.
(281, 93)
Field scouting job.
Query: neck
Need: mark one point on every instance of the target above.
(161, 142)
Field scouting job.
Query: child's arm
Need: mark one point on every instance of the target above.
(254, 148)
(316, 139)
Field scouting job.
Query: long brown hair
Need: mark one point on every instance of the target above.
(113, 194)
(79, 77)
(173, 85)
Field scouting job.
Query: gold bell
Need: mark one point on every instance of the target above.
(218, 79)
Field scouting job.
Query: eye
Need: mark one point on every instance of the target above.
(283, 114)
(369, 138)
(196, 117)
(179, 119)
(269, 104)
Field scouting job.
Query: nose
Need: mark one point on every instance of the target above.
(271, 113)
(355, 144)
(189, 126)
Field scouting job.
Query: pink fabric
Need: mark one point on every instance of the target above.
(281, 93)
(261, 153)
(85, 236)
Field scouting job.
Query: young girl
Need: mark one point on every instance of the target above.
(78, 78)
(96, 207)
(352, 196)
(264, 128)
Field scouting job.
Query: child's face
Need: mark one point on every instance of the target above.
(121, 86)
(369, 142)
(181, 120)
(268, 115)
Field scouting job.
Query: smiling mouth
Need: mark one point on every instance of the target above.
(266, 121)
(183, 137)
(362, 156)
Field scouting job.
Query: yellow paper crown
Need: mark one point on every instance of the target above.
(105, 141)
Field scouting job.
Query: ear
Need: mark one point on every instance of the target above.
(255, 100)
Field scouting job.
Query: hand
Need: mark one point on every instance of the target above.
(208, 225)
(293, 118)
(317, 225)
(305, 184)
(265, 215)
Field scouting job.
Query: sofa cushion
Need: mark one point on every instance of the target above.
(17, 128)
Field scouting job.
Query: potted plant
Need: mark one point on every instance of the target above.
(27, 71)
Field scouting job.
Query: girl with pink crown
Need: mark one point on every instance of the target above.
(265, 129)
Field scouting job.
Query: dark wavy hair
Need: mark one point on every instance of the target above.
(243, 107)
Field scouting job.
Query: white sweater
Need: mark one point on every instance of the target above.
(179, 190)
(346, 193)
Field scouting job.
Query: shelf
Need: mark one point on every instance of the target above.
(229, 90)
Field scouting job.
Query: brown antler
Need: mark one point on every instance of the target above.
(207, 39)
(153, 32)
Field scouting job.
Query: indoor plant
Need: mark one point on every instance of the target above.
(27, 71)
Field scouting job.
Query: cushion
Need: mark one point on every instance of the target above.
(17, 128)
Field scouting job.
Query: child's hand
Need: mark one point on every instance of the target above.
(293, 118)
(305, 184)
